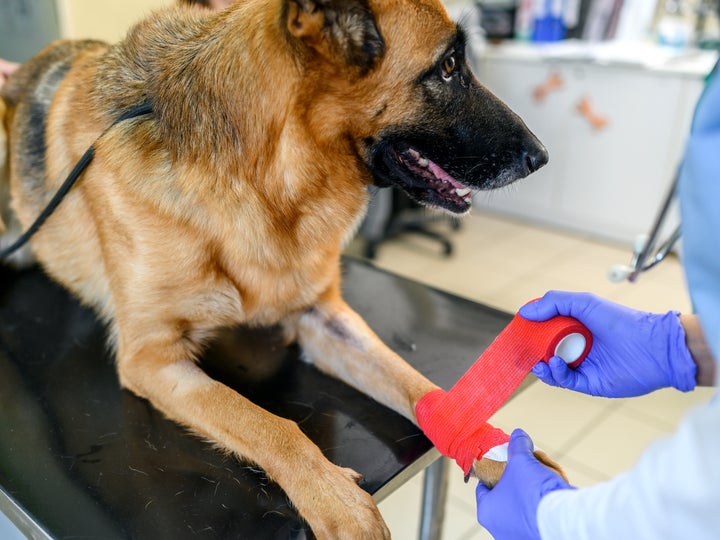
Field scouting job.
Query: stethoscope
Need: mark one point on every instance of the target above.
(645, 253)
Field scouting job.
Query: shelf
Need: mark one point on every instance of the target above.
(695, 63)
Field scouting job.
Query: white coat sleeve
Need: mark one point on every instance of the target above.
(673, 492)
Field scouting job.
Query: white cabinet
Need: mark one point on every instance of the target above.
(605, 180)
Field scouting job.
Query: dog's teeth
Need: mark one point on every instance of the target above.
(414, 153)
(422, 162)
(462, 192)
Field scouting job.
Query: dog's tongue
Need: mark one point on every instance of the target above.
(440, 174)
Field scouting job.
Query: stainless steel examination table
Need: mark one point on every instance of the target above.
(82, 459)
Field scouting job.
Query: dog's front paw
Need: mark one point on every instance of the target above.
(335, 507)
(543, 458)
(489, 471)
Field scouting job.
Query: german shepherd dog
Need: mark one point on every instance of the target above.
(231, 201)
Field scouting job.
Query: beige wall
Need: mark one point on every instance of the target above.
(107, 20)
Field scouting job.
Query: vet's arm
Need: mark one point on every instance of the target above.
(672, 492)
(700, 350)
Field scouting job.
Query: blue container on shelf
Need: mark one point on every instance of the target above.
(548, 24)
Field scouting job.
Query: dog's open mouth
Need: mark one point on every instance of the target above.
(428, 184)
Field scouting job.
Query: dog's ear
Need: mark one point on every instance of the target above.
(340, 30)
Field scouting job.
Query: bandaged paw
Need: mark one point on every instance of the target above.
(456, 421)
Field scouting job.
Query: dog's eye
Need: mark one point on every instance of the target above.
(448, 67)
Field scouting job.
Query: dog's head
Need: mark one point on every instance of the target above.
(396, 74)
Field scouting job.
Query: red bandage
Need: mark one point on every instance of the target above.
(456, 421)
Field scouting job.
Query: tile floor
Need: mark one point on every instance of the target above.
(503, 263)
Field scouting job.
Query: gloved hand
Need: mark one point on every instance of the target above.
(509, 510)
(633, 352)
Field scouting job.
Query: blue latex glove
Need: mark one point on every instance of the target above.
(509, 510)
(633, 352)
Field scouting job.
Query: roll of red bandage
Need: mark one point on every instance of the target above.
(456, 421)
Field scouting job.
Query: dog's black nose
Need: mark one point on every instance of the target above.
(536, 157)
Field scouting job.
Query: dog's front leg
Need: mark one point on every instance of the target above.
(327, 496)
(339, 342)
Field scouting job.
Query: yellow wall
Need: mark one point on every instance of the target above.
(107, 20)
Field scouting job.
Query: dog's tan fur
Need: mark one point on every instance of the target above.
(228, 205)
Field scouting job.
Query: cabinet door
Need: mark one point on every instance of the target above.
(615, 178)
(606, 181)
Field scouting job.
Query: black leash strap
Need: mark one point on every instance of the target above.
(80, 166)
